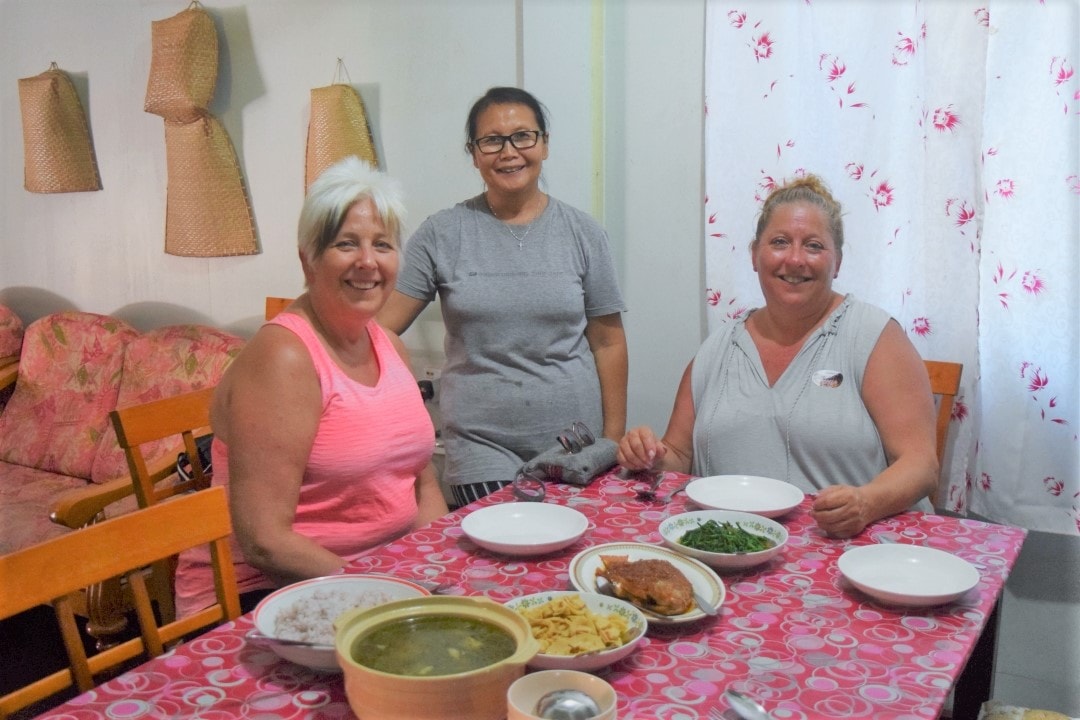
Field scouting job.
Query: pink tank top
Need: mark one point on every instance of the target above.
(358, 489)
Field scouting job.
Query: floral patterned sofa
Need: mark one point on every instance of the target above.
(11, 335)
(60, 463)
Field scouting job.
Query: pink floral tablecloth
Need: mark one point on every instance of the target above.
(792, 633)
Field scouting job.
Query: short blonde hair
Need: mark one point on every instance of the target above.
(808, 189)
(336, 190)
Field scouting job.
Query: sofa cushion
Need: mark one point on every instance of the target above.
(26, 496)
(168, 361)
(69, 377)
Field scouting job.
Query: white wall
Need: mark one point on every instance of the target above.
(618, 78)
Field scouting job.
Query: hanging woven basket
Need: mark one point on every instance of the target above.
(58, 149)
(183, 65)
(208, 213)
(338, 128)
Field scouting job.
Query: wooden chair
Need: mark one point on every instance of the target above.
(140, 430)
(944, 383)
(275, 305)
(56, 571)
(186, 415)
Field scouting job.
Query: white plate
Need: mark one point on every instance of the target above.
(910, 575)
(745, 493)
(524, 528)
(365, 590)
(676, 526)
(600, 605)
(706, 583)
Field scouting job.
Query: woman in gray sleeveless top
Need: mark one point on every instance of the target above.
(815, 388)
(529, 297)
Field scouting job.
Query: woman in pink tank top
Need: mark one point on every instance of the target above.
(320, 433)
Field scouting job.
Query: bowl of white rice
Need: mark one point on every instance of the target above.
(305, 612)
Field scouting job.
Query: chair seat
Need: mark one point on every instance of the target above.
(996, 710)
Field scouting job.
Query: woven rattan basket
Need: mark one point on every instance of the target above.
(183, 65)
(208, 213)
(59, 153)
(338, 128)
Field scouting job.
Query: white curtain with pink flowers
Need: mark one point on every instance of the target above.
(950, 132)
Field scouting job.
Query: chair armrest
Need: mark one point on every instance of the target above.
(76, 508)
(9, 371)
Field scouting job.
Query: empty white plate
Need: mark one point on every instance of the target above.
(909, 575)
(524, 528)
(745, 493)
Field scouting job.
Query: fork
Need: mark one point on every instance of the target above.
(649, 494)
(682, 486)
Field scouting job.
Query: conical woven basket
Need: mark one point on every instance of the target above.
(59, 153)
(338, 128)
(183, 66)
(208, 213)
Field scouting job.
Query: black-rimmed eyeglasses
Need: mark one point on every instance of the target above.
(521, 140)
(576, 437)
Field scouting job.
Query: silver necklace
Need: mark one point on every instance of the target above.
(520, 238)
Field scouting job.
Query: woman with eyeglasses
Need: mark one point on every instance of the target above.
(530, 300)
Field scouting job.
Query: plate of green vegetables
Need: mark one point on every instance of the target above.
(724, 539)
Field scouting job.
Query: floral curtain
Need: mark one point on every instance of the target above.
(950, 132)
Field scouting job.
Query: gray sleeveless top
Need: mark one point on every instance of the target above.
(811, 428)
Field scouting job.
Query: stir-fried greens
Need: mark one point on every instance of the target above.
(712, 536)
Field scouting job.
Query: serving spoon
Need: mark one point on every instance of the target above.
(258, 638)
(567, 704)
(745, 706)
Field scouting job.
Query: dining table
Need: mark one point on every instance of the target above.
(793, 633)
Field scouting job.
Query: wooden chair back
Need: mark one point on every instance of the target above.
(54, 572)
(274, 305)
(945, 384)
(187, 416)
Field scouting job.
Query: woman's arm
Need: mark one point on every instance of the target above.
(429, 498)
(640, 450)
(267, 410)
(400, 311)
(896, 392)
(607, 340)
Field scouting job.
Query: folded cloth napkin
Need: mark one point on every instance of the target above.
(579, 468)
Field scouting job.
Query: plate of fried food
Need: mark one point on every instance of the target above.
(659, 581)
(580, 631)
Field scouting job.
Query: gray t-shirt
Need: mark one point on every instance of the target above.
(811, 428)
(518, 367)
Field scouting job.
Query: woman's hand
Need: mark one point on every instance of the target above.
(640, 449)
(841, 511)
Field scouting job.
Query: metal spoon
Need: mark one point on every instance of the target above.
(567, 705)
(258, 638)
(704, 605)
(745, 707)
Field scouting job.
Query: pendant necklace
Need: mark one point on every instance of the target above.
(520, 238)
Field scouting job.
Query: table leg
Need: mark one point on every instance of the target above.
(976, 682)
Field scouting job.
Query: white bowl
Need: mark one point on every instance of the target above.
(526, 691)
(674, 527)
(524, 528)
(910, 575)
(745, 493)
(600, 605)
(323, 600)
